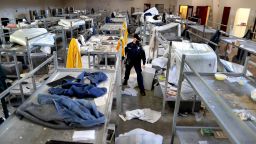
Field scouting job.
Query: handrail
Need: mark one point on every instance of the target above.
(31, 73)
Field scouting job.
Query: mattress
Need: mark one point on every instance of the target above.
(151, 20)
(19, 37)
(200, 56)
(68, 23)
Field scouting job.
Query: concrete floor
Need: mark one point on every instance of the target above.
(164, 125)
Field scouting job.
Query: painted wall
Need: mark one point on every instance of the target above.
(18, 8)
(218, 6)
(119, 4)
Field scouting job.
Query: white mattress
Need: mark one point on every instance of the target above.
(151, 20)
(19, 37)
(200, 56)
(68, 23)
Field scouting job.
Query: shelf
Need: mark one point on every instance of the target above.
(192, 135)
(221, 108)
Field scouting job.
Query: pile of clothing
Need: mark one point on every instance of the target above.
(79, 88)
(60, 112)
(57, 110)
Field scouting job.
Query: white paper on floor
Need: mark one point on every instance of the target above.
(146, 114)
(139, 136)
(84, 135)
(130, 92)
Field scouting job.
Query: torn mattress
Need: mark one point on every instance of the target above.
(46, 39)
(153, 11)
(68, 23)
(200, 56)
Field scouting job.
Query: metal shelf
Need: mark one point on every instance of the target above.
(218, 96)
(23, 131)
(192, 135)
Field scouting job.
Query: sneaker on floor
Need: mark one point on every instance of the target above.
(142, 93)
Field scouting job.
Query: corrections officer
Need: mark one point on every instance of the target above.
(134, 55)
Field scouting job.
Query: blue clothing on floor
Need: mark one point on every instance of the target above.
(62, 112)
(79, 89)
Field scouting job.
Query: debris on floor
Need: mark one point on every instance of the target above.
(139, 136)
(147, 114)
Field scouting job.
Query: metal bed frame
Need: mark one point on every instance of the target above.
(220, 65)
(116, 28)
(206, 86)
(23, 131)
(248, 46)
(104, 53)
(26, 53)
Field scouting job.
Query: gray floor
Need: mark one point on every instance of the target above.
(164, 125)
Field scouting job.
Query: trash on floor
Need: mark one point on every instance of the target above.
(146, 114)
(84, 135)
(129, 92)
(139, 136)
(245, 115)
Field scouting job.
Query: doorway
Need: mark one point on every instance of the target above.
(241, 20)
(225, 18)
(202, 12)
(185, 11)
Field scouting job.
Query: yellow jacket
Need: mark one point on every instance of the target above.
(124, 39)
(74, 56)
(118, 46)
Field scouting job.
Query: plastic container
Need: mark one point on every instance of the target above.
(148, 76)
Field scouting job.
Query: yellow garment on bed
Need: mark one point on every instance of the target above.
(74, 57)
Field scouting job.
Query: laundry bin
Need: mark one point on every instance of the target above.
(148, 76)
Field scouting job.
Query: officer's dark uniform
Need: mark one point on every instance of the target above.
(134, 55)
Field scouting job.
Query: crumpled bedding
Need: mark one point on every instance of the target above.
(68, 23)
(20, 35)
(60, 112)
(153, 12)
(145, 114)
(25, 25)
(153, 43)
(139, 136)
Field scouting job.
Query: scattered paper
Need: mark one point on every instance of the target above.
(84, 135)
(148, 115)
(130, 92)
(122, 117)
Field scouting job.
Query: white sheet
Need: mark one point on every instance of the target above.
(68, 23)
(25, 25)
(139, 136)
(153, 43)
(152, 10)
(153, 21)
(19, 37)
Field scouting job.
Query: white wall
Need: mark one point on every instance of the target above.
(218, 6)
(118, 4)
(16, 8)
